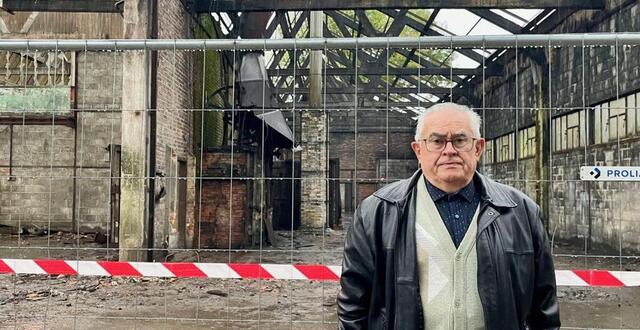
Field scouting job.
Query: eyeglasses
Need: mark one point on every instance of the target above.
(460, 143)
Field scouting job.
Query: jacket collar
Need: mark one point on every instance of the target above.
(491, 191)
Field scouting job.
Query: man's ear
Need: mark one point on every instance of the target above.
(416, 148)
(480, 145)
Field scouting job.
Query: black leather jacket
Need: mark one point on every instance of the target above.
(379, 283)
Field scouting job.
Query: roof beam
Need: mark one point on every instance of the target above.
(381, 91)
(382, 71)
(411, 22)
(367, 57)
(374, 80)
(430, 20)
(342, 19)
(287, 32)
(92, 6)
(396, 27)
(497, 20)
(369, 90)
(534, 27)
(300, 5)
(368, 104)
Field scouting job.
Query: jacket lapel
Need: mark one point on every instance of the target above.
(494, 198)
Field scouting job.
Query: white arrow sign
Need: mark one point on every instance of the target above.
(610, 173)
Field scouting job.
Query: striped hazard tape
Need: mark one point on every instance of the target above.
(595, 278)
(170, 269)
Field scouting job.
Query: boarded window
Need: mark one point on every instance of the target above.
(570, 131)
(616, 119)
(36, 82)
(487, 158)
(527, 142)
(505, 148)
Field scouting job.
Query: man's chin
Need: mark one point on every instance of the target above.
(452, 177)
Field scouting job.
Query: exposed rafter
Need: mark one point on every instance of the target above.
(93, 6)
(396, 27)
(382, 70)
(342, 19)
(288, 31)
(339, 58)
(206, 6)
(300, 5)
(369, 90)
(375, 80)
(347, 105)
(535, 26)
(497, 20)
(412, 52)
(414, 24)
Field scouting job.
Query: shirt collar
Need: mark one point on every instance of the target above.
(467, 192)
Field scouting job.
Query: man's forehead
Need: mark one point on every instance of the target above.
(447, 120)
(447, 133)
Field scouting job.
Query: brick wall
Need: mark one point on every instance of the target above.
(371, 143)
(43, 157)
(224, 201)
(220, 222)
(375, 132)
(313, 208)
(174, 121)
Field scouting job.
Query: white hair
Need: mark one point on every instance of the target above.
(474, 118)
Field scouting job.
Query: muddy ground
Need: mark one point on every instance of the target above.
(63, 302)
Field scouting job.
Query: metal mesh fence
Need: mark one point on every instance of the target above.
(254, 184)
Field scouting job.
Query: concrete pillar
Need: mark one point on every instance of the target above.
(135, 102)
(543, 145)
(313, 206)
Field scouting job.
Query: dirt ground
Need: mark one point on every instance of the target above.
(63, 302)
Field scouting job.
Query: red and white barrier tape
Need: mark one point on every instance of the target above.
(595, 278)
(170, 269)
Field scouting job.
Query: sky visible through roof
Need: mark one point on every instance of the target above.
(457, 22)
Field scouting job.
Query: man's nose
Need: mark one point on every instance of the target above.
(449, 149)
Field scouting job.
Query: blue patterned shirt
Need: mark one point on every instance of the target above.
(456, 209)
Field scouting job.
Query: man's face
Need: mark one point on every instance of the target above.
(450, 168)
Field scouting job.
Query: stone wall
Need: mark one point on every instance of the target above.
(50, 163)
(601, 79)
(598, 212)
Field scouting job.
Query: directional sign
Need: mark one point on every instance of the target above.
(610, 173)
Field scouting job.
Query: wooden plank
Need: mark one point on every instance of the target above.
(39, 120)
(134, 133)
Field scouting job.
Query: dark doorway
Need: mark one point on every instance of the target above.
(181, 208)
(286, 195)
(335, 202)
(114, 222)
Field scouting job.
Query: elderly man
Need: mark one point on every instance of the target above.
(447, 248)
